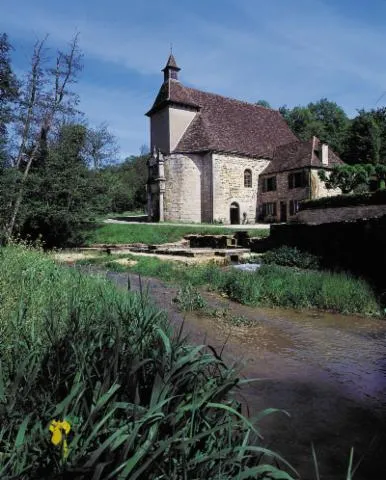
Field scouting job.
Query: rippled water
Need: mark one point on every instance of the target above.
(328, 371)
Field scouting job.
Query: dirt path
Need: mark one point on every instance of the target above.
(328, 371)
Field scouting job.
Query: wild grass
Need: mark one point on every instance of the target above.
(270, 286)
(111, 233)
(138, 400)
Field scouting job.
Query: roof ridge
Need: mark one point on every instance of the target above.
(236, 100)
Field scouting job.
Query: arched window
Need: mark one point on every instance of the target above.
(248, 178)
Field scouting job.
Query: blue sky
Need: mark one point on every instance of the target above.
(284, 51)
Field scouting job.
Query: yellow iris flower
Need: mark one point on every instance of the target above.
(59, 432)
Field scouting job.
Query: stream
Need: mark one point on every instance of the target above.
(327, 371)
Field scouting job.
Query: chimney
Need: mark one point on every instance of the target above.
(324, 154)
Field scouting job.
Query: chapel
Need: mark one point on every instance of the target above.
(221, 160)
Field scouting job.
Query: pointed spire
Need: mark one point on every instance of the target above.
(171, 69)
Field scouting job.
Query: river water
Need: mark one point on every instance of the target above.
(327, 371)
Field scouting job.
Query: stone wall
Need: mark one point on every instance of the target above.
(228, 185)
(182, 200)
(315, 188)
(339, 214)
(358, 246)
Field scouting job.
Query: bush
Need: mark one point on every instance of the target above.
(94, 384)
(189, 298)
(291, 257)
(376, 198)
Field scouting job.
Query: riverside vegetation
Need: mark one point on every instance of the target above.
(94, 384)
(272, 285)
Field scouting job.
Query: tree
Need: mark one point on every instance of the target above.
(62, 193)
(347, 177)
(45, 99)
(263, 103)
(324, 119)
(9, 92)
(100, 146)
(364, 143)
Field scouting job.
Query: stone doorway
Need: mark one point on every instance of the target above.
(235, 213)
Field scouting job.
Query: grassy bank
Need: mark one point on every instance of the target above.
(270, 286)
(93, 384)
(155, 234)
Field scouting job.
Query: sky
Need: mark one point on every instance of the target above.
(288, 52)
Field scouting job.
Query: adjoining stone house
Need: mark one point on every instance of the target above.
(217, 159)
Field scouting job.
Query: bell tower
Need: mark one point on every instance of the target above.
(171, 69)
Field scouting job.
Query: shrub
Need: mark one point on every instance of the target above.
(351, 200)
(128, 397)
(189, 298)
(291, 257)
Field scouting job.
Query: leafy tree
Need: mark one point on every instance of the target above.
(324, 119)
(364, 143)
(9, 92)
(127, 183)
(45, 99)
(347, 177)
(263, 103)
(63, 193)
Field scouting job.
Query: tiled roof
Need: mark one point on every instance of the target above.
(225, 124)
(171, 62)
(300, 154)
(172, 91)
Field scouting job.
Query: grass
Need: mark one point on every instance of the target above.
(270, 286)
(139, 401)
(111, 233)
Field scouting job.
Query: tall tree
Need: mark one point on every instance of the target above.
(9, 92)
(46, 98)
(324, 119)
(364, 142)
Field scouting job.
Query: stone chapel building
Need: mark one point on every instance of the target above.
(217, 159)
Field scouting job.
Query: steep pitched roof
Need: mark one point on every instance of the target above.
(300, 154)
(233, 126)
(172, 92)
(225, 124)
(171, 63)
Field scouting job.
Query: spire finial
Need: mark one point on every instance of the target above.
(171, 69)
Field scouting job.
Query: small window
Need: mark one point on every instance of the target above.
(248, 179)
(269, 209)
(297, 179)
(269, 184)
(293, 207)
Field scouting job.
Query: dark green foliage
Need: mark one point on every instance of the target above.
(324, 119)
(376, 198)
(347, 177)
(126, 184)
(8, 95)
(141, 402)
(61, 192)
(291, 257)
(366, 142)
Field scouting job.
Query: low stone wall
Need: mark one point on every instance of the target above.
(358, 246)
(339, 214)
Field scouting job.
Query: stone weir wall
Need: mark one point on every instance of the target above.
(358, 246)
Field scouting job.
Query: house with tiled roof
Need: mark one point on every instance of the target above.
(218, 159)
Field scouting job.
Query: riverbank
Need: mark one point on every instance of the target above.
(271, 285)
(328, 371)
(95, 382)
